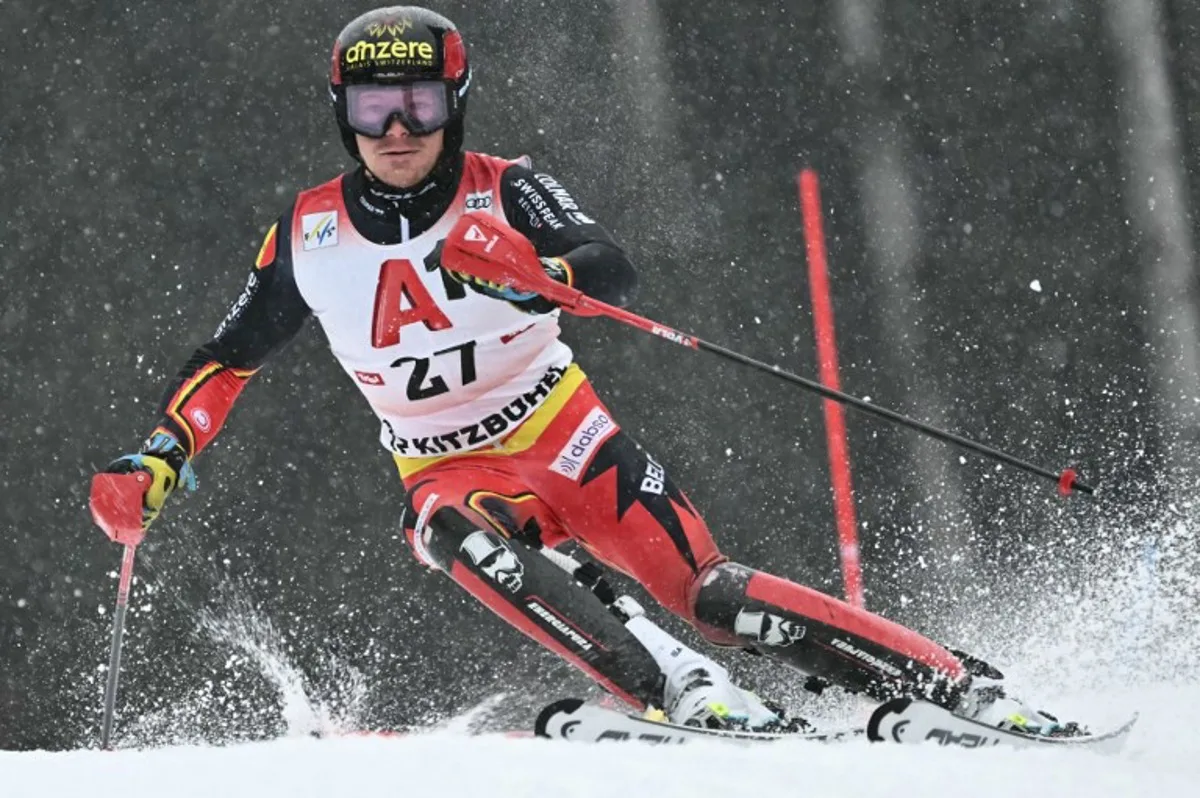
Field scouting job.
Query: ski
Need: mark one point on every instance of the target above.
(572, 719)
(902, 721)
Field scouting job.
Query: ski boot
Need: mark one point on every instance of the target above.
(696, 690)
(986, 701)
(702, 694)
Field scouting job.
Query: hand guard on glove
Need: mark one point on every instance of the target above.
(130, 492)
(556, 269)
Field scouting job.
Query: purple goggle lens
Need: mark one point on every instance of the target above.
(421, 107)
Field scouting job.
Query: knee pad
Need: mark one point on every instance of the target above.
(822, 636)
(716, 595)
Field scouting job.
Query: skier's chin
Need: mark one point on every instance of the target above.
(400, 171)
(400, 162)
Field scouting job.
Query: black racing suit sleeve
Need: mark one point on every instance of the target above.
(268, 314)
(538, 206)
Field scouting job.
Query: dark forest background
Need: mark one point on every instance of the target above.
(1009, 198)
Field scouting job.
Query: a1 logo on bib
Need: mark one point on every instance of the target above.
(319, 229)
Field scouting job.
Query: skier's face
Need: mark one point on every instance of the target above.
(400, 159)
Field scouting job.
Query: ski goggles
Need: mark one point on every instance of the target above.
(421, 106)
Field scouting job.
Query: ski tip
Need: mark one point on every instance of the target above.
(566, 706)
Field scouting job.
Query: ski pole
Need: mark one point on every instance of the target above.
(1067, 479)
(484, 250)
(114, 654)
(624, 608)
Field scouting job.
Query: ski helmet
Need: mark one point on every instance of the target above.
(402, 62)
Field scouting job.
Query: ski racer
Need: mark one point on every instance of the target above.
(503, 447)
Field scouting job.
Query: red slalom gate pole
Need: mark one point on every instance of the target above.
(835, 419)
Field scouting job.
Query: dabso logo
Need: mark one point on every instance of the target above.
(767, 628)
(479, 200)
(320, 230)
(493, 556)
(591, 432)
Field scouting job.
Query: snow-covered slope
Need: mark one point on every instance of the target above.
(1094, 649)
(1162, 760)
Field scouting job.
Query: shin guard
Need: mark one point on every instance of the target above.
(824, 637)
(542, 601)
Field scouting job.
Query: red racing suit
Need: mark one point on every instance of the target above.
(502, 444)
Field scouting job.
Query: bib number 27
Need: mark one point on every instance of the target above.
(402, 299)
(423, 386)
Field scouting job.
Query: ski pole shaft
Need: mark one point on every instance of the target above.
(591, 576)
(114, 654)
(585, 305)
(561, 559)
(493, 257)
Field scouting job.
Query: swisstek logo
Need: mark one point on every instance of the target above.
(591, 432)
(319, 229)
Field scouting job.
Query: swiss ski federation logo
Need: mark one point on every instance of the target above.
(591, 432)
(320, 230)
(493, 556)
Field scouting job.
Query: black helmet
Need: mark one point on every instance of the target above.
(419, 53)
